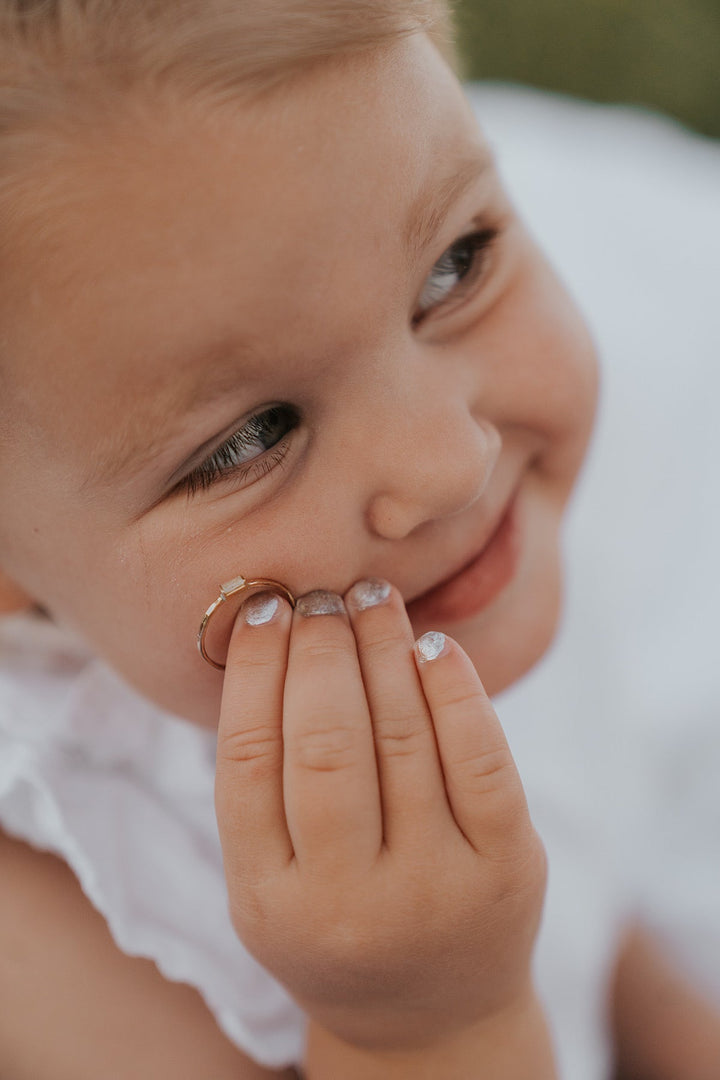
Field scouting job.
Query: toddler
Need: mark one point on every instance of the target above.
(283, 375)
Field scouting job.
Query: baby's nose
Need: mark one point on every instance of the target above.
(440, 472)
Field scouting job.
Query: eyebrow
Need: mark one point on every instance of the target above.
(430, 209)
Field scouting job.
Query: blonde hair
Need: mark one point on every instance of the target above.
(53, 50)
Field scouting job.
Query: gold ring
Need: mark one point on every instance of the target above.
(232, 588)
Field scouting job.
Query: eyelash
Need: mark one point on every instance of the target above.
(460, 259)
(262, 427)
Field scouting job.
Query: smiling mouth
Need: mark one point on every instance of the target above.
(479, 581)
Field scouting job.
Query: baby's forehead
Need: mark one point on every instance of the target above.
(380, 102)
(74, 208)
(156, 239)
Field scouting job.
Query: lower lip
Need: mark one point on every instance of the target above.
(479, 583)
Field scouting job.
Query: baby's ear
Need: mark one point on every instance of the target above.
(12, 598)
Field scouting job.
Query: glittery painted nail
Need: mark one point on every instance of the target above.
(320, 602)
(369, 593)
(430, 646)
(260, 609)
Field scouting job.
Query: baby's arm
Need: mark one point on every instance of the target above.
(664, 1029)
(73, 1006)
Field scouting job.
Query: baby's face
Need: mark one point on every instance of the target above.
(307, 340)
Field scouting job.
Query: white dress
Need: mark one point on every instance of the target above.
(615, 732)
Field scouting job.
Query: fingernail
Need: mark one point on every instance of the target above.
(320, 602)
(369, 593)
(260, 609)
(430, 646)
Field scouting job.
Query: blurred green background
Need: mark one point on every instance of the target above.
(661, 53)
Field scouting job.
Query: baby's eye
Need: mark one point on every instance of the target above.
(245, 454)
(456, 270)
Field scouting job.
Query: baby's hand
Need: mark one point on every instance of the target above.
(379, 855)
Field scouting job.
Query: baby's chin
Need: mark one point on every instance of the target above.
(502, 670)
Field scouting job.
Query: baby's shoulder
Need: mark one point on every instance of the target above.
(63, 978)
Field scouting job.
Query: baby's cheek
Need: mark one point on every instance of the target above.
(138, 601)
(557, 379)
(156, 652)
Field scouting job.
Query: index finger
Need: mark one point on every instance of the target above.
(249, 773)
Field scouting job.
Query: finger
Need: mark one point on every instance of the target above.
(332, 798)
(482, 782)
(248, 779)
(412, 788)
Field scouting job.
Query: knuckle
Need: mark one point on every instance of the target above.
(258, 908)
(512, 851)
(523, 870)
(325, 749)
(488, 773)
(383, 644)
(467, 699)
(350, 946)
(256, 747)
(401, 734)
(260, 660)
(327, 649)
